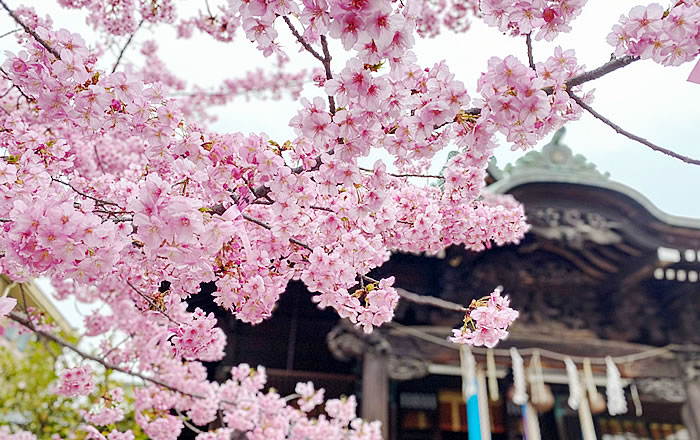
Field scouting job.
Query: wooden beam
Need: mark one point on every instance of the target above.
(375, 389)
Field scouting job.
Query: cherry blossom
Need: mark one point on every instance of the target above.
(486, 321)
(114, 186)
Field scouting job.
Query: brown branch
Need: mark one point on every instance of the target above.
(302, 41)
(30, 31)
(99, 161)
(427, 176)
(10, 33)
(530, 58)
(329, 74)
(266, 226)
(424, 299)
(17, 318)
(601, 71)
(632, 136)
(121, 53)
(104, 202)
(151, 303)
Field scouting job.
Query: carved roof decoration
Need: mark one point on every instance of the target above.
(555, 158)
(567, 174)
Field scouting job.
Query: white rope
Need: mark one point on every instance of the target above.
(574, 384)
(491, 372)
(617, 404)
(628, 358)
(519, 387)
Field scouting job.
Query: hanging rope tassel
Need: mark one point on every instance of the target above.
(519, 386)
(491, 373)
(574, 383)
(617, 403)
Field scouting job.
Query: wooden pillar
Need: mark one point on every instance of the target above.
(375, 390)
(691, 409)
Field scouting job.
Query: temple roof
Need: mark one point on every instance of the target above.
(558, 164)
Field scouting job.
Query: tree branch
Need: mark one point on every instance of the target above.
(629, 135)
(17, 318)
(121, 53)
(30, 31)
(603, 70)
(151, 303)
(329, 74)
(266, 226)
(530, 58)
(104, 202)
(423, 299)
(302, 41)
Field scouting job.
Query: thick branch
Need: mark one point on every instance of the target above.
(601, 71)
(530, 58)
(327, 67)
(30, 31)
(632, 136)
(121, 53)
(424, 299)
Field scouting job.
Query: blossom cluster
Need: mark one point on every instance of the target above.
(76, 381)
(668, 36)
(547, 17)
(112, 184)
(486, 321)
(516, 100)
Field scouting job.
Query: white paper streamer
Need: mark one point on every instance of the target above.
(617, 403)
(574, 383)
(519, 387)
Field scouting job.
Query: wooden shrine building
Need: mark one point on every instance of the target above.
(601, 273)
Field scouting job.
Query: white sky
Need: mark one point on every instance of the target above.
(647, 99)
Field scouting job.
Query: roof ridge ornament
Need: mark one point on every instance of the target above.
(555, 158)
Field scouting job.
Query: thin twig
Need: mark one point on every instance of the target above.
(121, 53)
(427, 176)
(17, 318)
(10, 33)
(104, 202)
(266, 226)
(530, 58)
(629, 135)
(151, 303)
(28, 98)
(99, 161)
(30, 31)
(302, 41)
